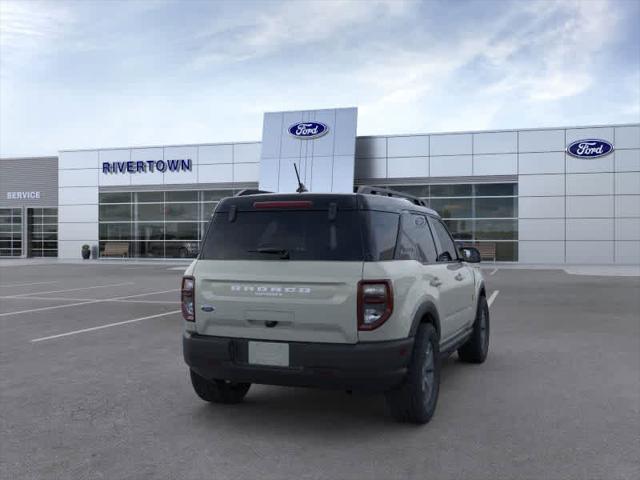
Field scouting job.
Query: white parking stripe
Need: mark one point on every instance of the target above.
(493, 272)
(41, 309)
(75, 289)
(492, 297)
(25, 284)
(84, 330)
(67, 299)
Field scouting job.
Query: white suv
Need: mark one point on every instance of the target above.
(363, 291)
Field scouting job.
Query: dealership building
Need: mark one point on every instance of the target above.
(544, 195)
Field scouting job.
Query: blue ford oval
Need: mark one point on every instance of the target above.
(308, 130)
(589, 148)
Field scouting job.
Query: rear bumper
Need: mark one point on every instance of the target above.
(372, 366)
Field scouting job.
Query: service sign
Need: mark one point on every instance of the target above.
(23, 195)
(308, 130)
(589, 148)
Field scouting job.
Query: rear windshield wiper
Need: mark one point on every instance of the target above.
(284, 253)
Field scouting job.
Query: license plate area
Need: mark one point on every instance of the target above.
(269, 353)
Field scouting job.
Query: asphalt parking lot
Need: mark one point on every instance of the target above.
(92, 385)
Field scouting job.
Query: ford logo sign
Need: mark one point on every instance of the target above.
(590, 148)
(308, 130)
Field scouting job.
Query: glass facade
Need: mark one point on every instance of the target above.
(156, 224)
(484, 215)
(10, 232)
(42, 228)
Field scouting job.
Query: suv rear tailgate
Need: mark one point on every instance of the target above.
(300, 301)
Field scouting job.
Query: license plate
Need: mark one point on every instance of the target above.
(269, 353)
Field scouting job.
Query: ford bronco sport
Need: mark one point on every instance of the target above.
(363, 291)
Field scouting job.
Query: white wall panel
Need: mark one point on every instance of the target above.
(71, 249)
(342, 173)
(271, 135)
(78, 178)
(77, 195)
(501, 164)
(246, 172)
(589, 252)
(80, 159)
(590, 184)
(148, 177)
(590, 206)
(541, 207)
(496, 142)
(77, 213)
(371, 147)
(77, 231)
(451, 166)
(541, 141)
(540, 252)
(346, 124)
(290, 146)
(628, 183)
(541, 185)
(371, 168)
(215, 173)
(627, 205)
(410, 146)
(601, 133)
(627, 228)
(541, 229)
(400, 167)
(116, 178)
(246, 153)
(215, 154)
(628, 137)
(180, 176)
(452, 144)
(628, 253)
(320, 177)
(322, 146)
(589, 229)
(546, 162)
(586, 165)
(627, 160)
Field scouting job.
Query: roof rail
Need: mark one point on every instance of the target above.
(250, 191)
(385, 192)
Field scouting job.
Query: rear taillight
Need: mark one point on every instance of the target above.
(375, 303)
(188, 293)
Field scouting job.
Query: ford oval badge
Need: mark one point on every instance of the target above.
(308, 130)
(590, 148)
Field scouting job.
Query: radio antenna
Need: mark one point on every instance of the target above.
(301, 188)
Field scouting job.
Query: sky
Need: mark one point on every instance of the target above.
(85, 74)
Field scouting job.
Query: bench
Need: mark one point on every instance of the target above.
(116, 250)
(487, 250)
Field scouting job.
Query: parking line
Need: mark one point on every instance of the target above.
(24, 284)
(492, 297)
(493, 272)
(67, 299)
(84, 330)
(41, 309)
(75, 289)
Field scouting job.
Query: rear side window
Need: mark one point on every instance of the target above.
(380, 231)
(414, 239)
(276, 234)
(447, 250)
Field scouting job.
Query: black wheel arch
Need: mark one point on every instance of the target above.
(426, 313)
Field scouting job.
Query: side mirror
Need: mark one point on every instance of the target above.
(470, 254)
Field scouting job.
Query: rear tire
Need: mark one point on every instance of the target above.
(477, 347)
(218, 391)
(415, 400)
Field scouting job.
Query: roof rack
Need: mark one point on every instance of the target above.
(250, 191)
(385, 192)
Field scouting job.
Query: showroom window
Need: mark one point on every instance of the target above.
(10, 232)
(156, 224)
(477, 214)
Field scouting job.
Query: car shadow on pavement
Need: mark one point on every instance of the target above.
(291, 410)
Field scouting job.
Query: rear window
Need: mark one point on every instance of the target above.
(302, 235)
(290, 234)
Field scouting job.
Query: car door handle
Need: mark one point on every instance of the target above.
(459, 277)
(435, 282)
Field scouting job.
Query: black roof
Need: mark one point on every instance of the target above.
(321, 201)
